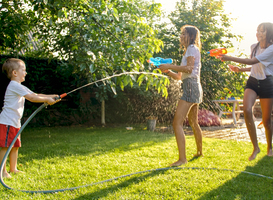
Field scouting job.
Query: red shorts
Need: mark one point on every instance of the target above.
(7, 134)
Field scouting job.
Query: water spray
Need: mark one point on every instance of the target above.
(108, 180)
(109, 77)
(38, 110)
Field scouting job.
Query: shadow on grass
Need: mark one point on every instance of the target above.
(124, 184)
(247, 186)
(194, 158)
(56, 142)
(41, 143)
(243, 186)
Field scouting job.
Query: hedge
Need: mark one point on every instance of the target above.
(133, 105)
(46, 77)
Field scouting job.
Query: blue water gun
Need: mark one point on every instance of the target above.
(158, 61)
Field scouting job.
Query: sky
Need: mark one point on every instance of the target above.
(248, 13)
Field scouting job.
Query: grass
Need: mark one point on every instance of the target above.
(64, 157)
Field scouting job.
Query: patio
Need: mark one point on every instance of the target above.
(227, 130)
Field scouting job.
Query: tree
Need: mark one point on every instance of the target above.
(15, 22)
(209, 17)
(97, 38)
(100, 38)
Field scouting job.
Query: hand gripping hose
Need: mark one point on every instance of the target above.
(100, 182)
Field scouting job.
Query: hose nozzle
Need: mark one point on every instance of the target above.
(63, 95)
(60, 96)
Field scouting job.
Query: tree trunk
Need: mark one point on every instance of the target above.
(103, 113)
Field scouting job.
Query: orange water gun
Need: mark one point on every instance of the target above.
(218, 51)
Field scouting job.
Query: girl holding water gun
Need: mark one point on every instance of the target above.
(189, 72)
(259, 84)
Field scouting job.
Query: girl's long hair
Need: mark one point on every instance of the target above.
(193, 37)
(269, 36)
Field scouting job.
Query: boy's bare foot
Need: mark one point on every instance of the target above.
(269, 152)
(16, 171)
(254, 154)
(178, 163)
(6, 175)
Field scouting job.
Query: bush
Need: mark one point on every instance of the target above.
(206, 118)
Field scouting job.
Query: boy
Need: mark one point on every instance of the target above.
(10, 117)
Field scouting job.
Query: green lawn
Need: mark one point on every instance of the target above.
(64, 157)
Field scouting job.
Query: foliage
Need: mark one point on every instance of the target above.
(15, 22)
(64, 157)
(209, 17)
(99, 38)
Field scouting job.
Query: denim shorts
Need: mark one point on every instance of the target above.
(192, 90)
(263, 88)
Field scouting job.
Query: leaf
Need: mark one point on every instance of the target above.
(65, 13)
(166, 81)
(114, 90)
(121, 86)
(133, 77)
(75, 47)
(127, 80)
(60, 13)
(50, 22)
(115, 14)
(140, 79)
(92, 68)
(82, 66)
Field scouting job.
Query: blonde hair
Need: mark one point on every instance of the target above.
(193, 37)
(10, 65)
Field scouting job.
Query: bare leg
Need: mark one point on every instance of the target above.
(193, 121)
(180, 116)
(266, 105)
(13, 156)
(3, 151)
(249, 100)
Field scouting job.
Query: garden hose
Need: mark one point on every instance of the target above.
(108, 180)
(100, 182)
(14, 140)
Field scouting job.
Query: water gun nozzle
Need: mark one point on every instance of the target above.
(218, 51)
(158, 61)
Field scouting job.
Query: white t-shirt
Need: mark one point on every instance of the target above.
(192, 50)
(14, 101)
(265, 65)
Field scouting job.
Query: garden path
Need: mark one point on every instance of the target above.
(227, 131)
(238, 132)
